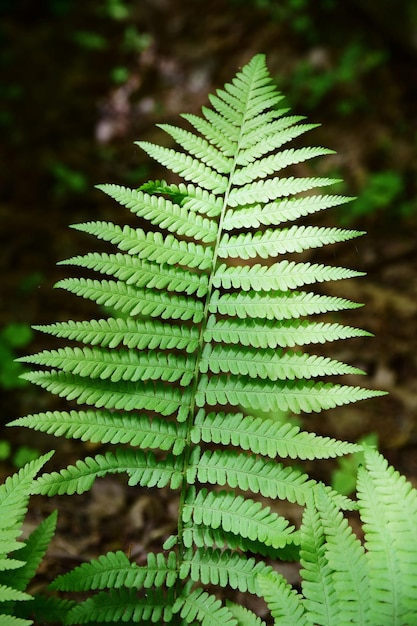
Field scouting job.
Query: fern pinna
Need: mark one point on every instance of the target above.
(207, 328)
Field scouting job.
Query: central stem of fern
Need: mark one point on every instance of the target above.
(182, 550)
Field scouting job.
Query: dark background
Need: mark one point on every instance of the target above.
(81, 81)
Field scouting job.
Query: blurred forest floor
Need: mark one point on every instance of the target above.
(82, 81)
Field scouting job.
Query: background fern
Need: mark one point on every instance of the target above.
(206, 328)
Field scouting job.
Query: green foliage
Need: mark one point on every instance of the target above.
(344, 582)
(186, 375)
(20, 559)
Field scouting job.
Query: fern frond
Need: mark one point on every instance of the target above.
(388, 508)
(273, 163)
(248, 473)
(270, 364)
(280, 276)
(31, 554)
(224, 568)
(10, 620)
(190, 169)
(132, 301)
(109, 427)
(272, 189)
(200, 148)
(272, 243)
(123, 605)
(269, 334)
(151, 246)
(119, 365)
(346, 558)
(103, 394)
(134, 271)
(142, 467)
(297, 396)
(285, 604)
(277, 305)
(192, 197)
(266, 437)
(234, 514)
(114, 570)
(163, 213)
(280, 211)
(139, 334)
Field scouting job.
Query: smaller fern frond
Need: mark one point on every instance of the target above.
(346, 558)
(109, 427)
(266, 437)
(320, 599)
(388, 508)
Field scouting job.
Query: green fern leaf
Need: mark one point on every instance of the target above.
(133, 271)
(114, 570)
(131, 301)
(277, 212)
(272, 243)
(132, 333)
(280, 276)
(266, 437)
(292, 396)
(268, 334)
(248, 473)
(142, 468)
(123, 605)
(161, 212)
(109, 427)
(241, 516)
(32, 553)
(151, 246)
(115, 366)
(214, 567)
(124, 396)
(270, 364)
(277, 305)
